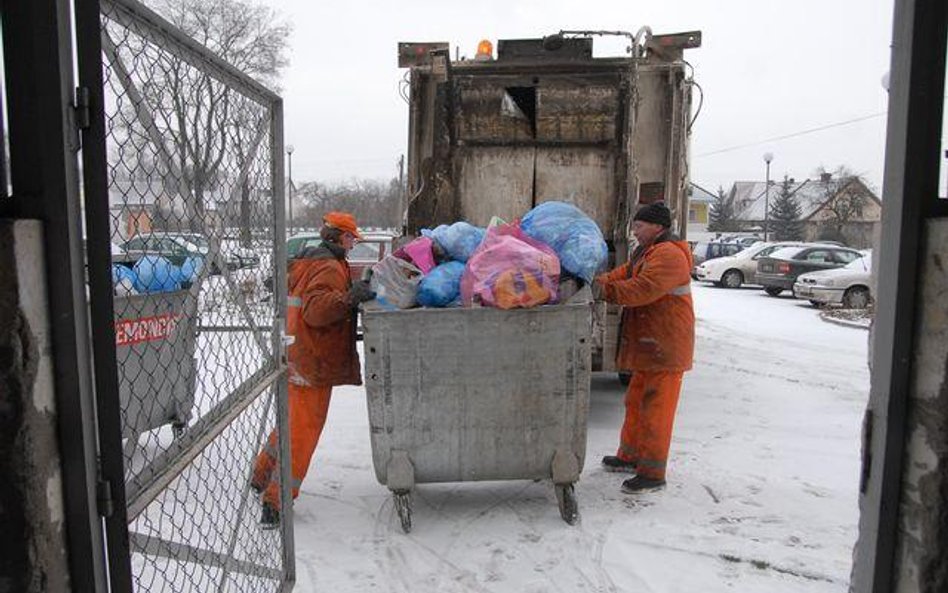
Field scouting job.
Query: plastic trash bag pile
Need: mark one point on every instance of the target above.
(154, 274)
(507, 265)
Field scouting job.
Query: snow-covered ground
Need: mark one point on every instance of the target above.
(762, 492)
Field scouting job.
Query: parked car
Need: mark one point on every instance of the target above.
(745, 240)
(707, 250)
(366, 253)
(848, 285)
(779, 271)
(176, 247)
(733, 271)
(235, 255)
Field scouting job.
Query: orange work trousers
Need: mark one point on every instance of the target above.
(650, 405)
(308, 409)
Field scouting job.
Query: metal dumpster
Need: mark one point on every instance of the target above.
(154, 347)
(478, 394)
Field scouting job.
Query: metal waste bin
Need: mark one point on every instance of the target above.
(155, 336)
(465, 394)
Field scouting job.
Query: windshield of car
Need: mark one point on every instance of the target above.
(198, 240)
(786, 252)
(861, 264)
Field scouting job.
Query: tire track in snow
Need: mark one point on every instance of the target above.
(396, 567)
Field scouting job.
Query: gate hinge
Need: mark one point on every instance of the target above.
(866, 472)
(103, 496)
(82, 107)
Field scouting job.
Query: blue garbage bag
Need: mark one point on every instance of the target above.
(190, 269)
(442, 286)
(123, 280)
(574, 237)
(156, 274)
(458, 240)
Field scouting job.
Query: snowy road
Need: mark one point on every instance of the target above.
(762, 492)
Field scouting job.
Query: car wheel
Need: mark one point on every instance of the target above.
(625, 378)
(732, 279)
(856, 297)
(816, 304)
(773, 290)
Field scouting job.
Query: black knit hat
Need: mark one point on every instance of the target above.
(657, 213)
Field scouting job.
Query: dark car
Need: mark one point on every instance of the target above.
(702, 251)
(777, 272)
(176, 247)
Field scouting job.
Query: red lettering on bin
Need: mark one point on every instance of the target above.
(145, 329)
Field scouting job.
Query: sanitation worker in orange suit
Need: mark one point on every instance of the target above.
(322, 311)
(657, 338)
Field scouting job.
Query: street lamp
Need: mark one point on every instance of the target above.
(768, 156)
(289, 185)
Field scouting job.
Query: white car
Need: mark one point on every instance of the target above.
(848, 285)
(738, 269)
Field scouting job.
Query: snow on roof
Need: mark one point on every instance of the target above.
(699, 194)
(750, 197)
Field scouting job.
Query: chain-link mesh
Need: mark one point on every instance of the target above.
(191, 194)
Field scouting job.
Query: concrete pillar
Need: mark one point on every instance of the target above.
(33, 543)
(921, 558)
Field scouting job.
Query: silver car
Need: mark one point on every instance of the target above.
(734, 271)
(848, 286)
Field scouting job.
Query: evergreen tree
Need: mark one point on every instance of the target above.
(721, 214)
(785, 223)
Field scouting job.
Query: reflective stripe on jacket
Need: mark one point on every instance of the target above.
(658, 321)
(321, 320)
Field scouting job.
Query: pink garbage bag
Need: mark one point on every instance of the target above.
(510, 270)
(419, 252)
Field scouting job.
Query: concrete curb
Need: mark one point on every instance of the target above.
(843, 322)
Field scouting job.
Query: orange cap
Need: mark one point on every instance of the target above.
(342, 221)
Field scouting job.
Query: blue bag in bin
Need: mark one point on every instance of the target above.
(574, 237)
(123, 280)
(190, 269)
(458, 240)
(442, 286)
(156, 274)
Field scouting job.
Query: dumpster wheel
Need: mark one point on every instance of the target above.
(566, 499)
(403, 507)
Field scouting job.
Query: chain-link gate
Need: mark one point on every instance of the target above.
(195, 186)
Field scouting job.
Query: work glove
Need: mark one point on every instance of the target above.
(360, 293)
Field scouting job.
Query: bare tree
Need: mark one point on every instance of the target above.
(846, 197)
(212, 132)
(374, 203)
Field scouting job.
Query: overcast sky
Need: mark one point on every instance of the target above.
(768, 68)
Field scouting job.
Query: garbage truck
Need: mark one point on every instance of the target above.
(484, 393)
(545, 119)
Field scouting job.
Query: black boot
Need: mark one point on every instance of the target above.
(269, 516)
(611, 463)
(641, 484)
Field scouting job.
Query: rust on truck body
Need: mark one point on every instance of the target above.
(495, 138)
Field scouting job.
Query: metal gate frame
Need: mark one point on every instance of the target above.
(122, 502)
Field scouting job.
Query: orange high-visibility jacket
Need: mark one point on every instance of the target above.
(321, 320)
(658, 320)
